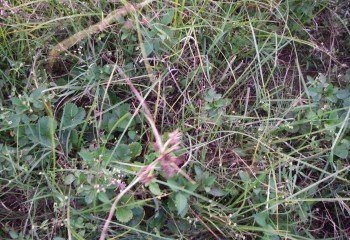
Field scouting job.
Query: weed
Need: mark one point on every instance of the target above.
(174, 120)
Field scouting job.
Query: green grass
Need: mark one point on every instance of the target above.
(259, 91)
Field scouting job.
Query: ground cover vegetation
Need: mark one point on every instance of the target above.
(183, 119)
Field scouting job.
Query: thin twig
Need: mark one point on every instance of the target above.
(205, 225)
(98, 27)
(143, 103)
(142, 174)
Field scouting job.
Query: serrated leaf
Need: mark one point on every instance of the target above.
(154, 188)
(103, 197)
(69, 179)
(181, 203)
(135, 149)
(72, 116)
(124, 214)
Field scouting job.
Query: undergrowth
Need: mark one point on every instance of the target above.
(251, 100)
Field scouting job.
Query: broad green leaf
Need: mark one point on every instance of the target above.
(132, 134)
(35, 98)
(103, 197)
(244, 176)
(168, 17)
(123, 122)
(217, 192)
(87, 156)
(154, 188)
(138, 215)
(181, 203)
(41, 132)
(124, 214)
(313, 92)
(135, 149)
(68, 139)
(148, 45)
(343, 94)
(72, 116)
(174, 186)
(260, 218)
(89, 197)
(199, 172)
(122, 153)
(69, 179)
(209, 95)
(341, 150)
(13, 234)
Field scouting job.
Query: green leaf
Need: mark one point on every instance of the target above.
(68, 139)
(168, 17)
(41, 132)
(343, 94)
(217, 192)
(148, 45)
(260, 218)
(313, 92)
(124, 214)
(199, 172)
(103, 197)
(72, 116)
(244, 176)
(132, 134)
(209, 96)
(123, 122)
(89, 197)
(135, 149)
(181, 203)
(341, 150)
(138, 215)
(154, 188)
(13, 234)
(87, 156)
(122, 153)
(69, 179)
(174, 185)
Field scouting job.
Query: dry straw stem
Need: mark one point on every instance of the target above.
(98, 27)
(143, 174)
(164, 150)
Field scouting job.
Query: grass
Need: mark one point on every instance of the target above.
(259, 91)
